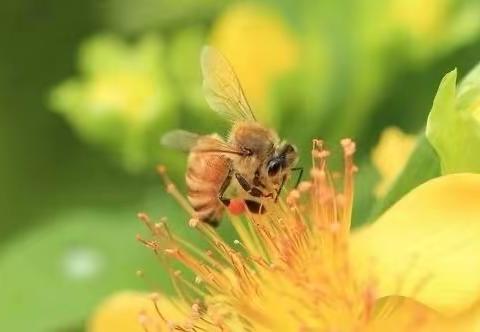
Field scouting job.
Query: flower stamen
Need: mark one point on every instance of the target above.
(297, 251)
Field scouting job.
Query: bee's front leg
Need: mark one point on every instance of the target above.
(254, 191)
(224, 187)
(284, 178)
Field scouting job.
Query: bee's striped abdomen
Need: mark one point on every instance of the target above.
(206, 173)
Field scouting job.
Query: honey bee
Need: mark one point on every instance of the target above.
(253, 160)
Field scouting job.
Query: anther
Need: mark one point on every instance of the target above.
(304, 186)
(293, 197)
(172, 252)
(161, 169)
(154, 297)
(195, 308)
(317, 173)
(317, 144)
(193, 222)
(348, 146)
(143, 216)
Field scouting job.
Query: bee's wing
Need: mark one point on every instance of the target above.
(180, 140)
(186, 141)
(222, 88)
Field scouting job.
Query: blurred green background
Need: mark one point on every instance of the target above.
(88, 87)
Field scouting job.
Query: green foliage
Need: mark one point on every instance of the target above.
(453, 125)
(56, 274)
(183, 61)
(137, 16)
(348, 65)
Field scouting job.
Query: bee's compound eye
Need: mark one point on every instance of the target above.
(273, 167)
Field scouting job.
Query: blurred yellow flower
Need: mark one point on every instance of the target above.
(432, 27)
(130, 311)
(390, 156)
(122, 97)
(260, 46)
(421, 19)
(128, 93)
(122, 312)
(299, 268)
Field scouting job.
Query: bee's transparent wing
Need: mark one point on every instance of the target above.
(179, 140)
(186, 141)
(222, 88)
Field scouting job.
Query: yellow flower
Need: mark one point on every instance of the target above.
(390, 156)
(421, 19)
(299, 268)
(431, 27)
(131, 311)
(259, 45)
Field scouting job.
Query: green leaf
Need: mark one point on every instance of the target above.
(453, 126)
(53, 277)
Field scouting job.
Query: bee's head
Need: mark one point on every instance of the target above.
(284, 158)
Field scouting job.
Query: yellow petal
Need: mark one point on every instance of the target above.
(467, 321)
(131, 312)
(427, 246)
(402, 314)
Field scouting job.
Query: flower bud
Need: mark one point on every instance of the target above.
(453, 126)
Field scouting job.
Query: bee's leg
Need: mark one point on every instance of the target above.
(225, 184)
(254, 191)
(300, 173)
(255, 207)
(212, 222)
(284, 178)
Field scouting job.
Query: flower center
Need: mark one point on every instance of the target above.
(288, 270)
